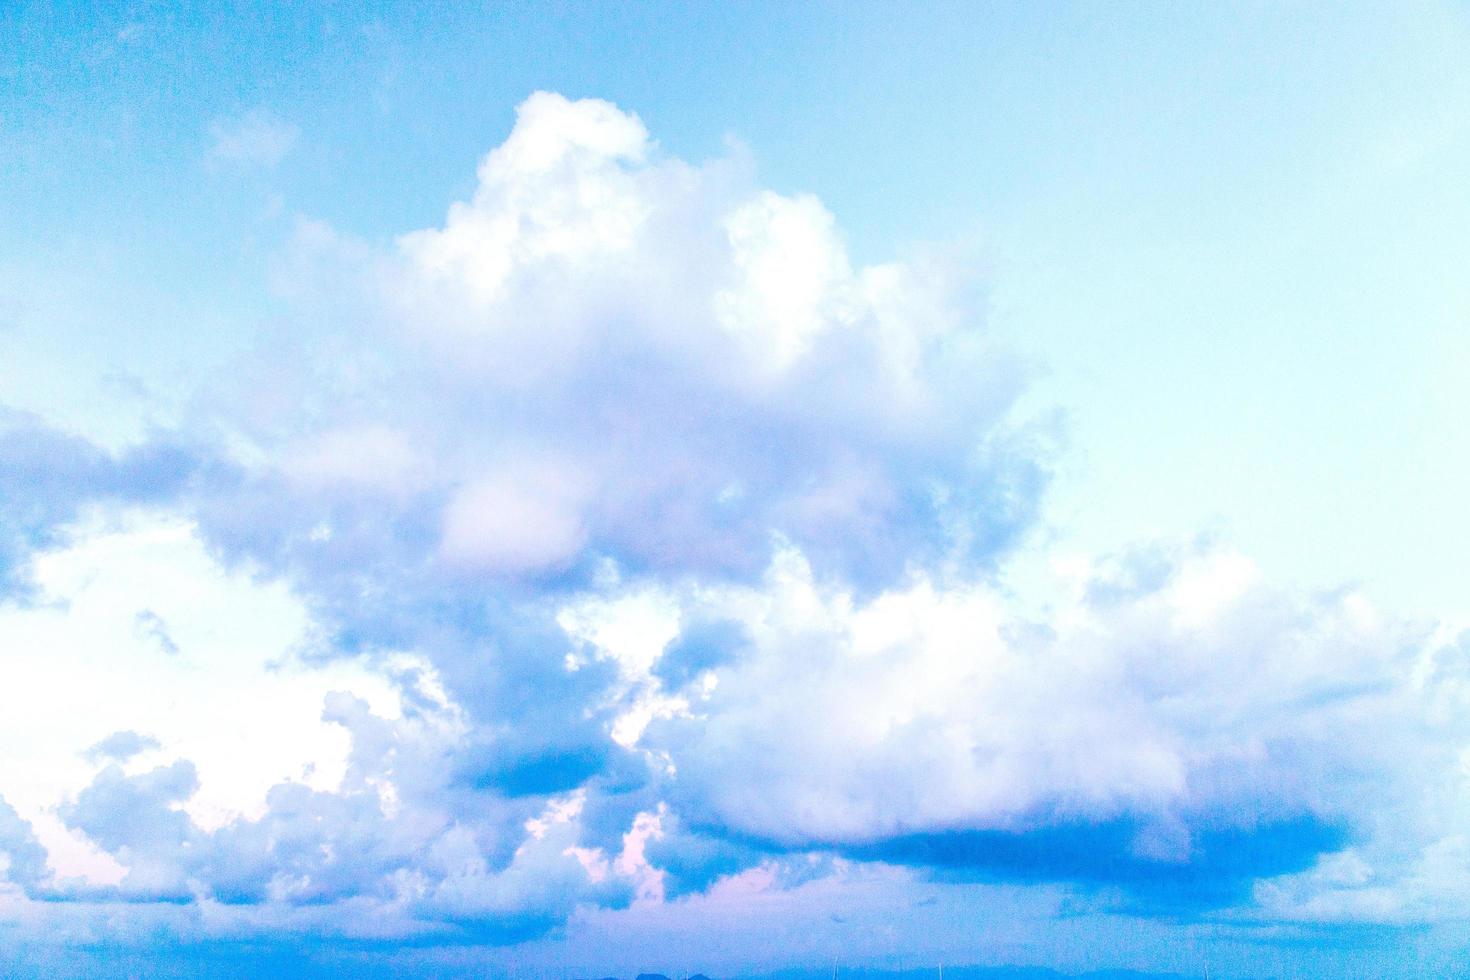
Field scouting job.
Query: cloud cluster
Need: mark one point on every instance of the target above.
(395, 833)
(667, 539)
(607, 353)
(1176, 729)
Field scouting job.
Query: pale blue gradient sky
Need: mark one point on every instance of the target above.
(1233, 239)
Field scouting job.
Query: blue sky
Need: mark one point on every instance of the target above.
(515, 481)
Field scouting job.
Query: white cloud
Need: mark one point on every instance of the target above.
(365, 459)
(610, 358)
(1197, 701)
(232, 697)
(632, 526)
(553, 194)
(791, 277)
(607, 351)
(929, 708)
(525, 517)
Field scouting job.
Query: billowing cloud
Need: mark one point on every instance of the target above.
(609, 353)
(1177, 729)
(619, 537)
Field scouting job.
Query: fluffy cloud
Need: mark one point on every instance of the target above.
(275, 785)
(1177, 729)
(609, 353)
(25, 858)
(617, 536)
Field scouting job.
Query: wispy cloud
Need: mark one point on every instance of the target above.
(255, 140)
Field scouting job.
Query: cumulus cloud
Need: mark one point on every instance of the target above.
(605, 352)
(619, 535)
(1175, 733)
(25, 859)
(395, 832)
